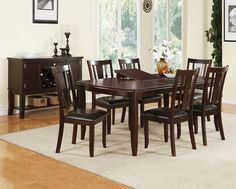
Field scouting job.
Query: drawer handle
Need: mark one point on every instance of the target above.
(41, 74)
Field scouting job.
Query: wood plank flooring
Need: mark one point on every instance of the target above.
(23, 169)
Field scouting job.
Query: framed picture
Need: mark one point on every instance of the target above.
(230, 20)
(45, 11)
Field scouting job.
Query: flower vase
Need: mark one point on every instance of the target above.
(161, 66)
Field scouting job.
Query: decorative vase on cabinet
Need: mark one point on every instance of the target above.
(161, 66)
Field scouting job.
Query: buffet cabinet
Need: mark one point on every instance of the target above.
(31, 76)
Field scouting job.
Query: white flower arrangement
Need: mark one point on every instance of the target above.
(165, 51)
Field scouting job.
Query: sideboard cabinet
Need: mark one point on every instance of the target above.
(33, 76)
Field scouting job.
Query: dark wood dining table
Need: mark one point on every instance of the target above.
(132, 88)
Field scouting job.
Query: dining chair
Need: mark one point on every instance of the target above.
(179, 110)
(101, 69)
(203, 65)
(85, 117)
(211, 101)
(126, 63)
(135, 64)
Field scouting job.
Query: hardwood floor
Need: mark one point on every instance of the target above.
(229, 108)
(23, 169)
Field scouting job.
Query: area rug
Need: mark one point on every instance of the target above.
(211, 167)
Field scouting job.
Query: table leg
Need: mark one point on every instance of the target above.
(166, 104)
(22, 106)
(78, 97)
(10, 102)
(133, 122)
(82, 105)
(166, 100)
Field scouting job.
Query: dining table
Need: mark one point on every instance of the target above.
(134, 88)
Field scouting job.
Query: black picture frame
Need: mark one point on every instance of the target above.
(230, 20)
(45, 11)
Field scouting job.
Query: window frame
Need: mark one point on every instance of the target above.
(138, 8)
(183, 31)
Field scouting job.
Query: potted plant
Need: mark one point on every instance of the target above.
(162, 54)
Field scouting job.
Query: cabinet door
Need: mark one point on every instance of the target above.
(31, 75)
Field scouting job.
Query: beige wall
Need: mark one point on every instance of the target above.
(19, 35)
(146, 40)
(229, 95)
(228, 58)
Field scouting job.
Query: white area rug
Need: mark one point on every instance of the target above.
(208, 167)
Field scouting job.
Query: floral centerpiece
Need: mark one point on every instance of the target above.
(162, 54)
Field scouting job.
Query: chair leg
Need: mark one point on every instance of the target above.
(195, 123)
(113, 116)
(146, 133)
(74, 135)
(91, 140)
(109, 121)
(104, 133)
(93, 101)
(159, 103)
(141, 111)
(123, 115)
(59, 139)
(178, 130)
(204, 130)
(83, 131)
(166, 135)
(208, 118)
(191, 133)
(221, 126)
(216, 122)
(172, 139)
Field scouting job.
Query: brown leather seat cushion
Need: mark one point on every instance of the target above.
(164, 113)
(110, 100)
(86, 114)
(197, 107)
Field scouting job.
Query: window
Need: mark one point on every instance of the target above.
(168, 26)
(117, 29)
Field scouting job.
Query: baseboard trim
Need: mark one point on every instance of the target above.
(229, 101)
(3, 111)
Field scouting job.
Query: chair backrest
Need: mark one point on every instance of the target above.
(203, 64)
(184, 86)
(100, 69)
(129, 64)
(65, 86)
(214, 84)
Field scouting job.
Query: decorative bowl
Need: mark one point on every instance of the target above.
(169, 75)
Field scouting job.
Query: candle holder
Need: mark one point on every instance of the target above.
(55, 50)
(67, 34)
(63, 51)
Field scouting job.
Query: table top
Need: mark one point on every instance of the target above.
(115, 83)
(133, 85)
(135, 74)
